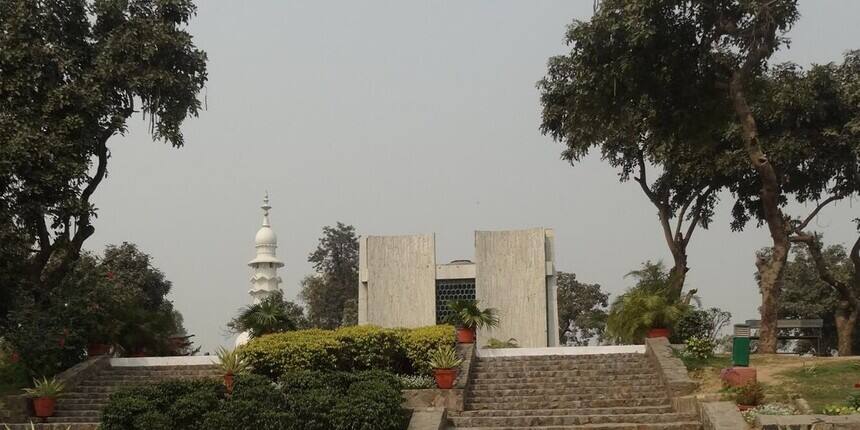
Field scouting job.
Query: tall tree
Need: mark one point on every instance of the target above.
(331, 295)
(608, 95)
(581, 310)
(71, 75)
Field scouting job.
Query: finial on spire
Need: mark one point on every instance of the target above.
(266, 208)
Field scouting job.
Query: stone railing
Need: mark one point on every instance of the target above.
(16, 408)
(673, 373)
(808, 422)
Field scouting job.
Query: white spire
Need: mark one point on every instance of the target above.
(264, 276)
(266, 208)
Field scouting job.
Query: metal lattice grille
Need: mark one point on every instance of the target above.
(451, 289)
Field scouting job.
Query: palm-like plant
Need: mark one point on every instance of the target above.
(638, 310)
(444, 358)
(271, 315)
(466, 314)
(45, 388)
(231, 362)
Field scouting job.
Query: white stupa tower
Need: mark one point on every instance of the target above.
(264, 267)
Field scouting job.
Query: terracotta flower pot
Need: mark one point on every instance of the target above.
(228, 382)
(465, 335)
(743, 408)
(658, 332)
(44, 406)
(95, 349)
(445, 378)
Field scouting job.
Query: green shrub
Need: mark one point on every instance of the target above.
(347, 349)
(853, 400)
(699, 348)
(839, 410)
(421, 343)
(306, 400)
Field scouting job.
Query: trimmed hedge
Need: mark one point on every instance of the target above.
(304, 400)
(404, 351)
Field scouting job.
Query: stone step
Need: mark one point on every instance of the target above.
(70, 420)
(560, 378)
(560, 365)
(497, 404)
(507, 384)
(613, 358)
(567, 420)
(45, 426)
(590, 373)
(580, 391)
(93, 414)
(684, 425)
(593, 411)
(569, 397)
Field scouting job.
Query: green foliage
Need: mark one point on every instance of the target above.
(494, 343)
(197, 405)
(751, 394)
(806, 296)
(853, 400)
(581, 310)
(72, 74)
(348, 349)
(699, 348)
(272, 315)
(768, 409)
(465, 313)
(415, 382)
(839, 410)
(330, 294)
(445, 358)
(420, 343)
(700, 323)
(337, 400)
(645, 306)
(231, 362)
(45, 388)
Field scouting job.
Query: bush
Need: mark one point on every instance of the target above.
(304, 401)
(347, 349)
(839, 410)
(699, 348)
(751, 394)
(367, 400)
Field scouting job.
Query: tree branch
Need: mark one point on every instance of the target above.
(818, 208)
(697, 215)
(813, 244)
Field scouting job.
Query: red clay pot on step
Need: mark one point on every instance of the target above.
(658, 332)
(465, 335)
(228, 382)
(44, 406)
(95, 349)
(445, 378)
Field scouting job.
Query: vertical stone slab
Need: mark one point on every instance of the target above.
(362, 280)
(401, 280)
(511, 277)
(551, 290)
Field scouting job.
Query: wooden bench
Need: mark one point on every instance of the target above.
(816, 326)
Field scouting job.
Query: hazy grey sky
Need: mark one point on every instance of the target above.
(400, 117)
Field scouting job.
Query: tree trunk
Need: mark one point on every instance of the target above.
(846, 320)
(770, 271)
(678, 273)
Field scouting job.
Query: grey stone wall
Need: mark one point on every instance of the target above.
(672, 371)
(721, 416)
(511, 277)
(397, 277)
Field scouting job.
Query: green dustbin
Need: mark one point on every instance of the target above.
(741, 346)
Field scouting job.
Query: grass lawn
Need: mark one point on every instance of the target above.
(820, 384)
(821, 381)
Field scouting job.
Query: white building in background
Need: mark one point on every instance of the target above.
(264, 267)
(401, 285)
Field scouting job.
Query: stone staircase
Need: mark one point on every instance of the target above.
(80, 408)
(613, 391)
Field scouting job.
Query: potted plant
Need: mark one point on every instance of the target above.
(231, 363)
(749, 396)
(640, 312)
(44, 394)
(467, 317)
(444, 362)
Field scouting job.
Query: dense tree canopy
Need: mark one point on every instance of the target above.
(331, 295)
(581, 310)
(72, 72)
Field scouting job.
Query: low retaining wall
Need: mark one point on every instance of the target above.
(808, 422)
(721, 416)
(673, 373)
(197, 360)
(453, 399)
(428, 419)
(17, 408)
